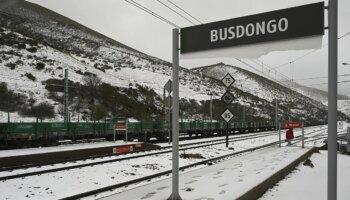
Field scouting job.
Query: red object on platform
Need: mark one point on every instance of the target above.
(123, 149)
(289, 134)
(292, 125)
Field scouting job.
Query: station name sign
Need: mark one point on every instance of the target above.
(290, 23)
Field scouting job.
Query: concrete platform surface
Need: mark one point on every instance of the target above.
(225, 180)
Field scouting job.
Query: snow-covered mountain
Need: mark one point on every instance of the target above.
(322, 96)
(37, 45)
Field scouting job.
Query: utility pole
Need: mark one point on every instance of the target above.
(211, 112)
(169, 115)
(243, 113)
(164, 107)
(243, 106)
(276, 120)
(66, 95)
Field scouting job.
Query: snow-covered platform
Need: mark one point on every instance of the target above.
(67, 147)
(47, 155)
(310, 182)
(229, 179)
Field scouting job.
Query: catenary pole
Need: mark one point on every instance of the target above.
(169, 115)
(66, 95)
(302, 135)
(279, 134)
(276, 124)
(332, 98)
(175, 119)
(114, 132)
(211, 113)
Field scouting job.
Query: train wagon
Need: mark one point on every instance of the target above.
(49, 133)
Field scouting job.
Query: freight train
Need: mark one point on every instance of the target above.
(18, 135)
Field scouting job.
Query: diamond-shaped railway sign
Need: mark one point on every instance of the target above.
(228, 80)
(228, 97)
(167, 86)
(227, 115)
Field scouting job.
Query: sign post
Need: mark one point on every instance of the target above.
(332, 97)
(175, 120)
(291, 23)
(227, 116)
(227, 98)
(122, 125)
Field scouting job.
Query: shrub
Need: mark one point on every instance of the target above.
(11, 65)
(32, 50)
(89, 74)
(43, 110)
(79, 72)
(9, 100)
(31, 101)
(30, 76)
(21, 46)
(19, 62)
(40, 66)
(32, 42)
(9, 42)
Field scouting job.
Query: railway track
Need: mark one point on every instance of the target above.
(244, 135)
(322, 136)
(167, 172)
(135, 152)
(165, 150)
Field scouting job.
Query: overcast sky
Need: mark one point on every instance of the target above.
(137, 29)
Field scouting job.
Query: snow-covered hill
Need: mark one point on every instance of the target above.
(322, 96)
(37, 45)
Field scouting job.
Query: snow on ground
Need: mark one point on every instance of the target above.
(344, 106)
(209, 152)
(70, 182)
(226, 180)
(311, 183)
(30, 151)
(68, 147)
(14, 117)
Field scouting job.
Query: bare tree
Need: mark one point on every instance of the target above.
(92, 83)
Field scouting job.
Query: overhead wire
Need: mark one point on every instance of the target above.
(270, 69)
(249, 65)
(308, 53)
(176, 12)
(312, 78)
(141, 7)
(185, 11)
(347, 81)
